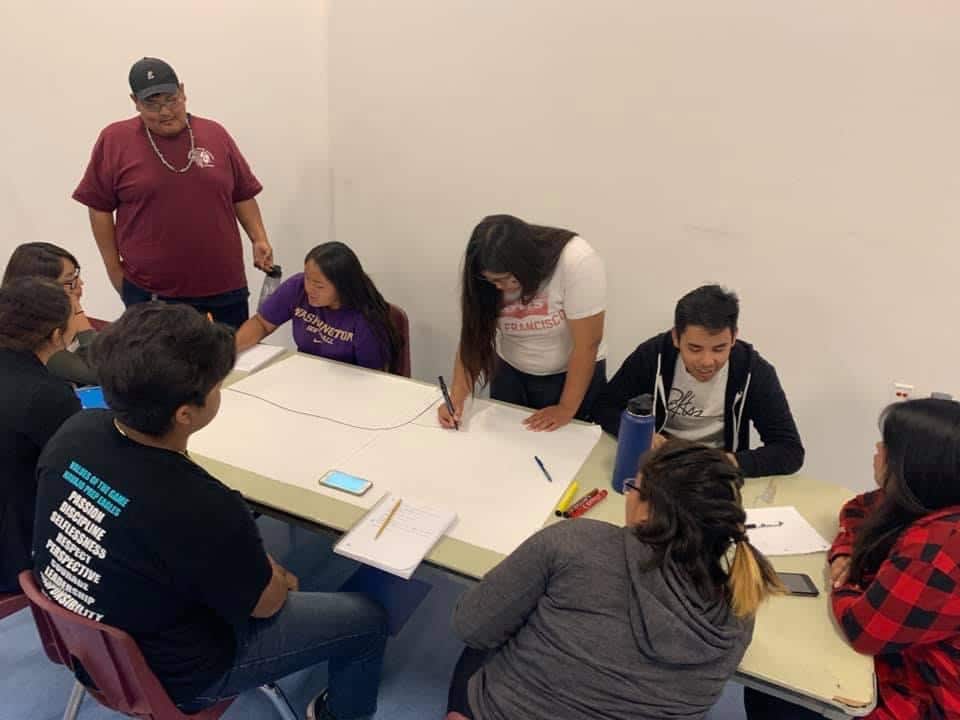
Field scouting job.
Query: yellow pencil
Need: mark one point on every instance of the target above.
(566, 498)
(383, 525)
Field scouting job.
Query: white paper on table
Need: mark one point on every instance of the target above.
(339, 392)
(486, 472)
(412, 531)
(794, 537)
(256, 436)
(256, 357)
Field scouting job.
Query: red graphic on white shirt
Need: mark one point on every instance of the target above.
(540, 305)
(535, 316)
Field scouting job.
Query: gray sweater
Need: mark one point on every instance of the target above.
(579, 632)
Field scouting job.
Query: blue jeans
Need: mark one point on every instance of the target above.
(347, 629)
(230, 308)
(540, 391)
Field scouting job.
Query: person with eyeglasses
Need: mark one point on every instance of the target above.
(590, 621)
(164, 191)
(52, 262)
(532, 311)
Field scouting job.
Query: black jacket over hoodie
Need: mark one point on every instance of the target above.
(753, 394)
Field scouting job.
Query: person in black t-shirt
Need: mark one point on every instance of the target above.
(131, 532)
(36, 321)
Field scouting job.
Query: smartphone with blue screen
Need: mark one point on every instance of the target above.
(91, 397)
(345, 482)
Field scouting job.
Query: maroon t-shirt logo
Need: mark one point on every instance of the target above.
(201, 157)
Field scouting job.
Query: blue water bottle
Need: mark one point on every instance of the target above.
(637, 424)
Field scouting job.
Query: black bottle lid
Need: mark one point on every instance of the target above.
(640, 405)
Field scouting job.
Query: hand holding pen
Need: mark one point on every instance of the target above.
(451, 411)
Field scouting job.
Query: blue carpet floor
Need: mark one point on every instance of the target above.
(418, 663)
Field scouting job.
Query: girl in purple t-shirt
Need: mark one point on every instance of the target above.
(337, 312)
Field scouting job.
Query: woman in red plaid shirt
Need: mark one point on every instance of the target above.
(896, 568)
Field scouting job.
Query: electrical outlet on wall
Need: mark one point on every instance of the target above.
(901, 392)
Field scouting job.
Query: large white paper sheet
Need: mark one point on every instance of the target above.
(254, 435)
(339, 392)
(486, 473)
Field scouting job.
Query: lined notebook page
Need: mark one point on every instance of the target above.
(408, 537)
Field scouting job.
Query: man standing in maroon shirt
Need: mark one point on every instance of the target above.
(165, 190)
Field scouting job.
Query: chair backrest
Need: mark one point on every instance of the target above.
(97, 324)
(401, 365)
(11, 603)
(110, 658)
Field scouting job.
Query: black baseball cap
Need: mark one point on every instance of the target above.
(152, 76)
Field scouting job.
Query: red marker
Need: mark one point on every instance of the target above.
(587, 503)
(578, 503)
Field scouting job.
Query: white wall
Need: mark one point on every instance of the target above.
(805, 154)
(260, 69)
(802, 153)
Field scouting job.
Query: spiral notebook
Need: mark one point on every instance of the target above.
(411, 532)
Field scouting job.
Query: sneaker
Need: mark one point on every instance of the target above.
(317, 708)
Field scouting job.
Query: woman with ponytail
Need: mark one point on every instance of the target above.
(588, 621)
(895, 567)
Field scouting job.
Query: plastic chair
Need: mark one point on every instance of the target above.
(11, 603)
(402, 364)
(119, 676)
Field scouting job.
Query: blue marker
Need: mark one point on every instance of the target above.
(542, 467)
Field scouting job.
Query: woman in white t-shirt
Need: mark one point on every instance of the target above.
(532, 321)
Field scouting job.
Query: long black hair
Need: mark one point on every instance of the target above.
(37, 259)
(922, 440)
(31, 308)
(356, 290)
(696, 517)
(501, 244)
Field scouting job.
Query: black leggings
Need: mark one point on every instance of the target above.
(760, 706)
(470, 661)
(540, 391)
